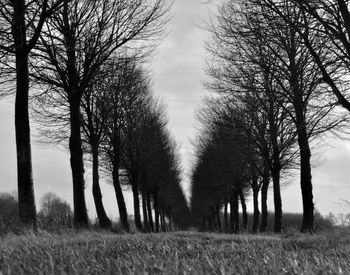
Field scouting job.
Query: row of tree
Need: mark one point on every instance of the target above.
(279, 71)
(83, 62)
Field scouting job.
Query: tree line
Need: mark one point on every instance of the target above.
(278, 74)
(79, 65)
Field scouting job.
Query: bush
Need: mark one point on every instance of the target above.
(9, 218)
(55, 214)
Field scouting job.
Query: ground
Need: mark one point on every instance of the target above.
(174, 253)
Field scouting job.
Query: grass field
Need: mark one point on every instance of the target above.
(174, 253)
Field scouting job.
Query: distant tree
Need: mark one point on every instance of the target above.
(54, 212)
(21, 23)
(52, 205)
(221, 173)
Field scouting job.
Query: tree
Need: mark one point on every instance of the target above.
(330, 20)
(94, 119)
(75, 43)
(221, 172)
(21, 24)
(54, 212)
(279, 65)
(242, 73)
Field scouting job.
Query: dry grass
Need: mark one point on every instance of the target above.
(174, 253)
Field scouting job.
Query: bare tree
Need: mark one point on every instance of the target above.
(21, 24)
(331, 22)
(75, 43)
(257, 40)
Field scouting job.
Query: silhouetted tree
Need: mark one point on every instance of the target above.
(279, 66)
(75, 43)
(21, 24)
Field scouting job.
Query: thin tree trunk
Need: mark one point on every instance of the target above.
(244, 209)
(275, 173)
(149, 210)
(156, 210)
(135, 192)
(103, 219)
(170, 219)
(76, 162)
(232, 217)
(26, 200)
(225, 217)
(213, 217)
(218, 219)
(256, 210)
(120, 198)
(235, 211)
(144, 211)
(162, 217)
(264, 191)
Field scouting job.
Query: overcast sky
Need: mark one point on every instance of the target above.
(178, 73)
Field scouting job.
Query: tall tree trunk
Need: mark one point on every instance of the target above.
(162, 217)
(26, 200)
(156, 210)
(305, 179)
(170, 219)
(103, 219)
(232, 217)
(76, 162)
(149, 210)
(120, 198)
(75, 143)
(235, 211)
(264, 191)
(244, 209)
(135, 192)
(144, 211)
(275, 173)
(213, 217)
(277, 199)
(256, 209)
(225, 217)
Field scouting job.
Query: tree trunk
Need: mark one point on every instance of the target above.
(213, 218)
(170, 219)
(305, 180)
(277, 199)
(162, 218)
(26, 200)
(156, 210)
(218, 218)
(76, 162)
(149, 210)
(256, 210)
(264, 191)
(235, 211)
(144, 211)
(225, 217)
(244, 209)
(120, 198)
(103, 219)
(135, 192)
